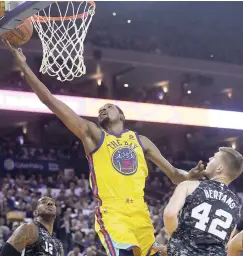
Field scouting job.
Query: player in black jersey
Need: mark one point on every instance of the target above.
(209, 210)
(36, 239)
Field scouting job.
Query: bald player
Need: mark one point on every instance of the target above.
(37, 238)
(208, 210)
(118, 170)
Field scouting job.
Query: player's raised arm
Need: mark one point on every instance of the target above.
(176, 175)
(24, 235)
(80, 127)
(235, 245)
(174, 206)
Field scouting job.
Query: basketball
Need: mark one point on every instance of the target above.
(20, 35)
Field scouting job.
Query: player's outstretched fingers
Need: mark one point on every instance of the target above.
(197, 173)
(200, 166)
(20, 50)
(201, 170)
(8, 45)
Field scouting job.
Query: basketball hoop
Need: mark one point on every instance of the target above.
(62, 28)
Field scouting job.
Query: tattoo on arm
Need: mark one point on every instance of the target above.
(24, 235)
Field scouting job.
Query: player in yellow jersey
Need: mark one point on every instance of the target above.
(118, 170)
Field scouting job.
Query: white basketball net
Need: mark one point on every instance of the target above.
(63, 38)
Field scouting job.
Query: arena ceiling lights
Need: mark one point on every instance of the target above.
(28, 102)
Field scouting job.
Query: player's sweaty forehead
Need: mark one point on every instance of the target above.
(217, 154)
(45, 199)
(106, 106)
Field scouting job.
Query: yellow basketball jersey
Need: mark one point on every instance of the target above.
(118, 167)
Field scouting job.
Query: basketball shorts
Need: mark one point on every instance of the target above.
(125, 227)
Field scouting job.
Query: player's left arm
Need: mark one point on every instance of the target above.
(235, 245)
(62, 250)
(176, 175)
(174, 206)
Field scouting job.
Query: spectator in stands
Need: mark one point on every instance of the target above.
(4, 231)
(75, 251)
(79, 238)
(156, 184)
(91, 252)
(91, 241)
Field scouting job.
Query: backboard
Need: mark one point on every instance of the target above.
(15, 12)
(62, 27)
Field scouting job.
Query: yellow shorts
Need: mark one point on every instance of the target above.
(125, 226)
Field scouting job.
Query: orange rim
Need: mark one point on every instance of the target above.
(45, 19)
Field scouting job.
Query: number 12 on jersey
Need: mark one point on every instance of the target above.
(202, 212)
(49, 248)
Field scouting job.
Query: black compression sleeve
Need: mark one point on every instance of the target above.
(8, 250)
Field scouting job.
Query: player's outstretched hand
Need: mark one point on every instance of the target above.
(17, 53)
(198, 172)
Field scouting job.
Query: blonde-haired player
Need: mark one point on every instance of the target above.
(209, 210)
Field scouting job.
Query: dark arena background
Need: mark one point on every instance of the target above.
(168, 54)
